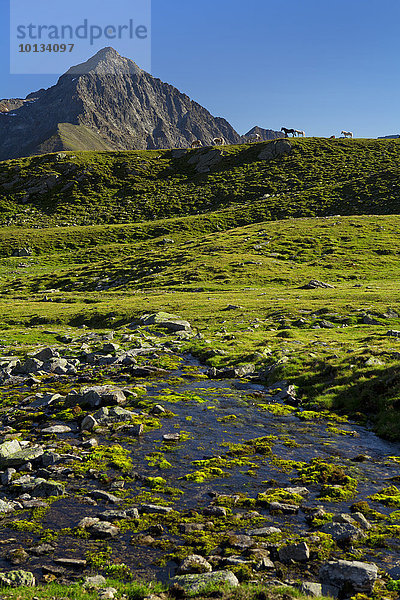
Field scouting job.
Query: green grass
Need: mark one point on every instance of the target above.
(319, 177)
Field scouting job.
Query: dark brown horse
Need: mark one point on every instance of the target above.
(287, 131)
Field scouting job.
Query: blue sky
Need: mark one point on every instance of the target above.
(309, 64)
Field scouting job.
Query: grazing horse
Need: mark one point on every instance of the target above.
(196, 144)
(347, 134)
(287, 131)
(253, 137)
(219, 141)
(300, 133)
(333, 137)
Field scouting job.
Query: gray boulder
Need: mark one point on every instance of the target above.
(195, 584)
(113, 415)
(166, 320)
(45, 489)
(351, 577)
(294, 552)
(100, 395)
(205, 159)
(343, 533)
(17, 459)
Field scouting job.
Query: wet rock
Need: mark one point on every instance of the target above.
(113, 415)
(197, 583)
(103, 530)
(286, 509)
(87, 522)
(17, 579)
(194, 564)
(214, 511)
(45, 489)
(112, 515)
(171, 437)
(17, 556)
(361, 521)
(88, 423)
(133, 513)
(191, 527)
(301, 491)
(71, 563)
(41, 550)
(294, 552)
(57, 429)
(99, 395)
(154, 508)
(43, 400)
(101, 495)
(350, 577)
(148, 371)
(231, 373)
(157, 410)
(264, 531)
(343, 533)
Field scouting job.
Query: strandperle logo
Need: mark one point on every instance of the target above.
(85, 31)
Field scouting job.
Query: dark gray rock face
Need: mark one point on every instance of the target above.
(109, 99)
(265, 134)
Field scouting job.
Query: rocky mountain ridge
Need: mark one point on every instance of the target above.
(108, 103)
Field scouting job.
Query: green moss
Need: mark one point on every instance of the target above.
(279, 495)
(389, 496)
(103, 458)
(277, 409)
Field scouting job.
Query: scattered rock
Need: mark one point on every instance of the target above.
(314, 284)
(194, 564)
(350, 577)
(294, 552)
(198, 583)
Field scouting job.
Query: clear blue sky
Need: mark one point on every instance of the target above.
(317, 65)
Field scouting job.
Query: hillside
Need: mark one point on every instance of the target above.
(249, 182)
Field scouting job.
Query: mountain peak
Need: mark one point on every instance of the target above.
(106, 61)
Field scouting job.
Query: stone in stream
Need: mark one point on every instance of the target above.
(231, 373)
(41, 550)
(171, 437)
(98, 395)
(115, 414)
(343, 533)
(16, 579)
(57, 429)
(286, 509)
(351, 577)
(112, 515)
(264, 531)
(45, 489)
(362, 521)
(195, 584)
(73, 563)
(154, 508)
(194, 563)
(101, 495)
(103, 530)
(94, 582)
(88, 423)
(294, 552)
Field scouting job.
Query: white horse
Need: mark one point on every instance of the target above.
(347, 134)
(196, 144)
(254, 137)
(219, 141)
(300, 133)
